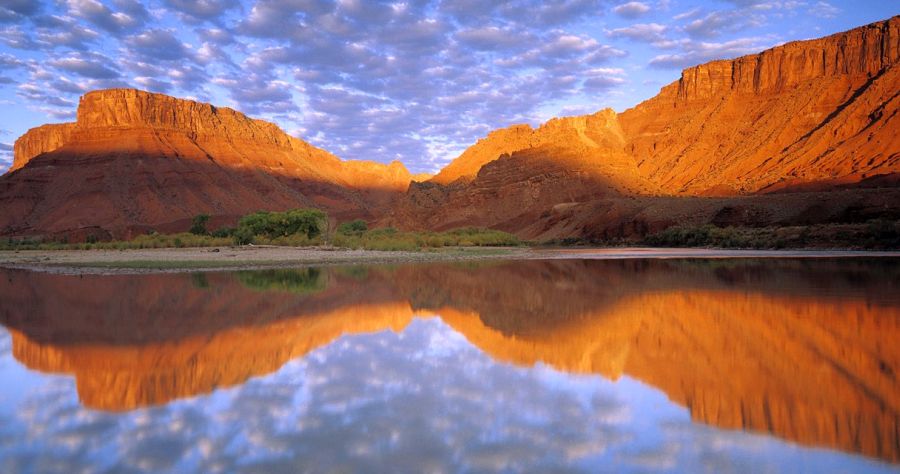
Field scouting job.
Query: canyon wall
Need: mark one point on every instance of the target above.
(814, 123)
(136, 161)
(40, 140)
(807, 117)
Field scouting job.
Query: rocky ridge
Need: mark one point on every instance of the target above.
(135, 161)
(807, 117)
(814, 122)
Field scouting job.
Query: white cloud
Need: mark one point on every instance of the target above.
(631, 9)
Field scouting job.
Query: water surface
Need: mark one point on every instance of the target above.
(558, 365)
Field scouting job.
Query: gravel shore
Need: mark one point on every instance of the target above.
(262, 257)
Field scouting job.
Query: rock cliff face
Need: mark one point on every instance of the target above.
(807, 116)
(744, 346)
(40, 140)
(799, 120)
(135, 160)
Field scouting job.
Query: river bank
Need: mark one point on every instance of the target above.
(262, 257)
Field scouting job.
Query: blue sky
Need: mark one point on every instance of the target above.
(417, 81)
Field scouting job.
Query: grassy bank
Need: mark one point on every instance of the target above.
(876, 234)
(376, 239)
(392, 239)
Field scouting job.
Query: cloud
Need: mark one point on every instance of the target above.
(631, 9)
(98, 14)
(698, 52)
(647, 32)
(203, 9)
(494, 38)
(91, 66)
(719, 22)
(56, 32)
(823, 9)
(414, 80)
(159, 44)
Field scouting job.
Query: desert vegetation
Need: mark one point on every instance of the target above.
(874, 234)
(295, 228)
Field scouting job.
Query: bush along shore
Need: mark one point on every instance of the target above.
(310, 228)
(294, 228)
(878, 234)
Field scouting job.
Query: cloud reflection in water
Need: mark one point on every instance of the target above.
(423, 400)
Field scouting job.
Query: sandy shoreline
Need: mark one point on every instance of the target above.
(262, 257)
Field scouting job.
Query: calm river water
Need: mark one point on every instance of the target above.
(567, 365)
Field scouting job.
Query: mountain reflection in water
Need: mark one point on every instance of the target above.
(805, 350)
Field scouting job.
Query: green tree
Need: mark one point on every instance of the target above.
(354, 227)
(198, 224)
(310, 222)
(243, 236)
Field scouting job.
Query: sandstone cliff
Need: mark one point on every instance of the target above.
(134, 161)
(807, 116)
(40, 140)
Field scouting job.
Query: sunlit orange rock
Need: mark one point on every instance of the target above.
(812, 116)
(135, 161)
(815, 121)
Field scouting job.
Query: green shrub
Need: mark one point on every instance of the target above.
(309, 222)
(354, 227)
(198, 224)
(243, 236)
(223, 232)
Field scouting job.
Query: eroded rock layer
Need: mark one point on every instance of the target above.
(810, 116)
(804, 120)
(135, 160)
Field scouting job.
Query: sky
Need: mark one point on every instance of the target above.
(416, 81)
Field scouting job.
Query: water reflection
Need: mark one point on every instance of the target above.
(804, 350)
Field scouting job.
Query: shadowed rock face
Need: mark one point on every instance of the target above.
(807, 116)
(802, 350)
(135, 160)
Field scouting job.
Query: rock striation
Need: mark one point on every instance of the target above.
(40, 140)
(806, 117)
(135, 161)
(813, 123)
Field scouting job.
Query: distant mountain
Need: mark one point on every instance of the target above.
(135, 160)
(818, 115)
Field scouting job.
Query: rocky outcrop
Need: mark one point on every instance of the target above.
(808, 116)
(40, 140)
(497, 143)
(799, 120)
(585, 133)
(864, 51)
(135, 161)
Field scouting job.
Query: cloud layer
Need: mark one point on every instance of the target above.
(415, 80)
